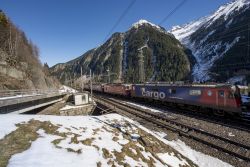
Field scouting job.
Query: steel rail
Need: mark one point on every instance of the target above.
(236, 149)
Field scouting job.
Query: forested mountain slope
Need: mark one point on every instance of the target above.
(20, 67)
(164, 57)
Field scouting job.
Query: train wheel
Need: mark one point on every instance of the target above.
(220, 113)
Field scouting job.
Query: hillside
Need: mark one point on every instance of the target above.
(164, 57)
(219, 42)
(107, 140)
(20, 67)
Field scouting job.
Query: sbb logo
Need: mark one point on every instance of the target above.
(153, 94)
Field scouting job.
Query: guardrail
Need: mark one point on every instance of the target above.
(17, 97)
(7, 94)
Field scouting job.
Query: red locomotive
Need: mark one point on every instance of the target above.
(118, 89)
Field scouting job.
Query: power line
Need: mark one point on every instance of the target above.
(120, 18)
(173, 11)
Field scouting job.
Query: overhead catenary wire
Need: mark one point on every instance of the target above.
(120, 18)
(115, 25)
(173, 11)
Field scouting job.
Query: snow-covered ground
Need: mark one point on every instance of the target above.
(67, 107)
(142, 106)
(236, 79)
(100, 131)
(197, 157)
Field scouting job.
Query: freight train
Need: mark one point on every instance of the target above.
(217, 98)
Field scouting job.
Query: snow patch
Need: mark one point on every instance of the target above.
(226, 10)
(67, 89)
(43, 153)
(183, 33)
(172, 160)
(199, 158)
(68, 107)
(143, 22)
(207, 54)
(236, 79)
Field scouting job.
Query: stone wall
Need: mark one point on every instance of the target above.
(78, 110)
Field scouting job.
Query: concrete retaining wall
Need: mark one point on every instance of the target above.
(78, 110)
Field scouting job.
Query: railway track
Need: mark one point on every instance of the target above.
(239, 124)
(223, 144)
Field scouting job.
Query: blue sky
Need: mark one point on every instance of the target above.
(65, 29)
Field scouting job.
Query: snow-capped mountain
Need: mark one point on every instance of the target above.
(165, 58)
(215, 40)
(143, 22)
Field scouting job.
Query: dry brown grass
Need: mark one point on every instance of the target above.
(21, 139)
(88, 141)
(106, 153)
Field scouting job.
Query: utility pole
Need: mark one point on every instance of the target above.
(74, 80)
(91, 93)
(65, 79)
(141, 62)
(141, 66)
(108, 74)
(81, 80)
(70, 81)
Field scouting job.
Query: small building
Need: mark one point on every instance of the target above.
(81, 98)
(82, 105)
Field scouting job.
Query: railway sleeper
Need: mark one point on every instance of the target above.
(226, 147)
(219, 147)
(201, 137)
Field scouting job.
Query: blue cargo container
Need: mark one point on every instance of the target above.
(187, 94)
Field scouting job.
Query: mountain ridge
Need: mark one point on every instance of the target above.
(120, 54)
(213, 39)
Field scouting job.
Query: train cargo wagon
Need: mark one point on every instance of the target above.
(118, 89)
(86, 87)
(98, 87)
(221, 97)
(171, 93)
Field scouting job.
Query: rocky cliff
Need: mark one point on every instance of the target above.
(20, 67)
